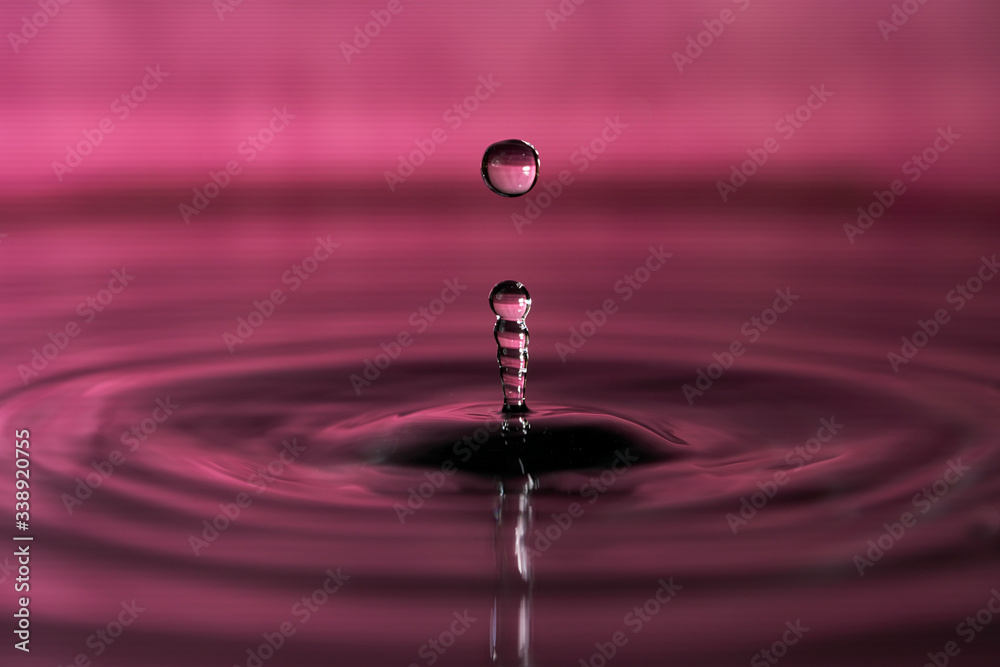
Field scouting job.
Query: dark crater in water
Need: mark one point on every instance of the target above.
(548, 444)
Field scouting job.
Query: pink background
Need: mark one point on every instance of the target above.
(324, 176)
(352, 120)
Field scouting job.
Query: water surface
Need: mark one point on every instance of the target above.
(767, 488)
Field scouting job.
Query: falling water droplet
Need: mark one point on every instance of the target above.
(511, 302)
(510, 168)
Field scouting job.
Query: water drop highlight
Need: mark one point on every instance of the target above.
(510, 168)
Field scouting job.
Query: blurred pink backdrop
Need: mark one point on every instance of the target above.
(559, 81)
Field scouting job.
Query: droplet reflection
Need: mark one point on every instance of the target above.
(510, 167)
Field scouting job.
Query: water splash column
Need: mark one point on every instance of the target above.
(511, 302)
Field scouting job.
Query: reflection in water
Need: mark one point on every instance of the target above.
(510, 633)
(335, 507)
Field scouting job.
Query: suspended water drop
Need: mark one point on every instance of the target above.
(510, 168)
(511, 302)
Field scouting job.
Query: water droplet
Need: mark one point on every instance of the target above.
(510, 168)
(511, 302)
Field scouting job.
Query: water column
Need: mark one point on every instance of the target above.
(511, 302)
(510, 632)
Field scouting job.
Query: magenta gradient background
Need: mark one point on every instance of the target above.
(656, 184)
(607, 59)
